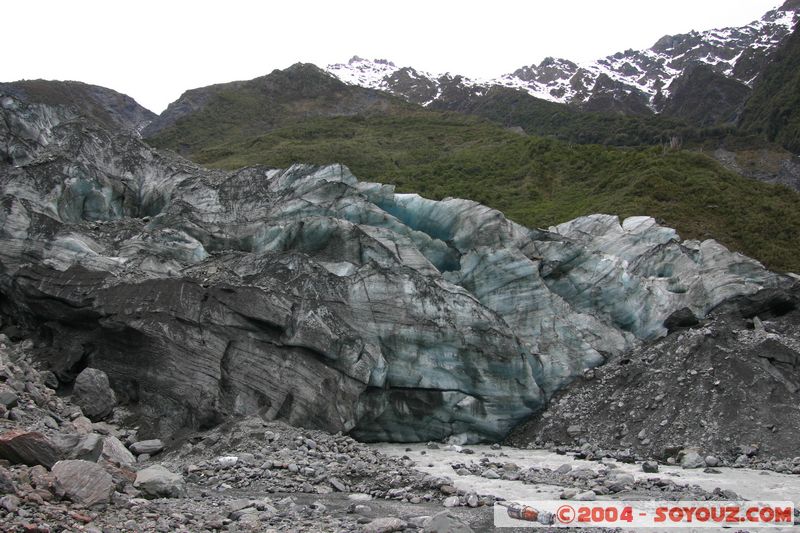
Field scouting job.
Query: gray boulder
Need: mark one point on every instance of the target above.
(82, 482)
(158, 482)
(7, 485)
(692, 459)
(115, 452)
(650, 467)
(89, 447)
(149, 447)
(446, 522)
(92, 392)
(385, 525)
(8, 397)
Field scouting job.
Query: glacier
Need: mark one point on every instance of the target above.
(306, 295)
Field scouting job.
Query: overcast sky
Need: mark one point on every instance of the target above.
(153, 50)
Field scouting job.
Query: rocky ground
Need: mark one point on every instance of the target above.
(60, 471)
(722, 391)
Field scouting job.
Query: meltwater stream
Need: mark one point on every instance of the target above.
(748, 483)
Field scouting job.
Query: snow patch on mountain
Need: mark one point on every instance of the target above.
(363, 72)
(646, 74)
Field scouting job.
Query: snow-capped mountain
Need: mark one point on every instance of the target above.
(633, 81)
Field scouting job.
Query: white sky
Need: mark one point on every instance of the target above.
(153, 50)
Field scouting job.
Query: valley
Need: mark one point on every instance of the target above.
(368, 298)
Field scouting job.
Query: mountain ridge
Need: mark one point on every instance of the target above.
(259, 105)
(633, 81)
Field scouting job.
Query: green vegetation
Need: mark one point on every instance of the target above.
(515, 108)
(240, 110)
(512, 107)
(537, 181)
(773, 110)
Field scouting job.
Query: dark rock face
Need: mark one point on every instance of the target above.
(706, 97)
(772, 111)
(682, 318)
(93, 394)
(608, 95)
(308, 296)
(412, 85)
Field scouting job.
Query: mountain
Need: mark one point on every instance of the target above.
(774, 108)
(630, 82)
(242, 109)
(106, 106)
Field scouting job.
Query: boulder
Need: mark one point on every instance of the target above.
(92, 392)
(7, 485)
(88, 448)
(385, 525)
(620, 482)
(490, 473)
(82, 482)
(650, 467)
(337, 484)
(10, 503)
(158, 482)
(692, 459)
(446, 522)
(115, 452)
(82, 425)
(680, 319)
(149, 447)
(472, 499)
(8, 397)
(49, 379)
(451, 501)
(41, 478)
(28, 447)
(566, 468)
